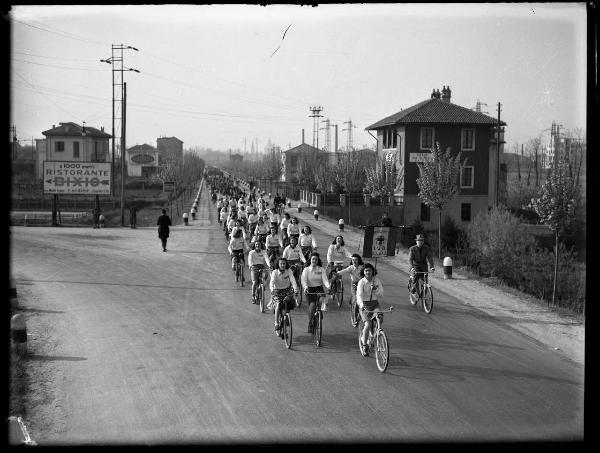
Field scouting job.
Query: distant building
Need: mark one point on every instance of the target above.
(170, 147)
(72, 142)
(291, 160)
(142, 160)
(413, 131)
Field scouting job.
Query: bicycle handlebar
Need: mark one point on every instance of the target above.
(391, 308)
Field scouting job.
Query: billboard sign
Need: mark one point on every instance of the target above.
(142, 159)
(168, 186)
(83, 178)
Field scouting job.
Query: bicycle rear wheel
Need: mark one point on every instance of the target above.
(287, 330)
(317, 327)
(427, 299)
(340, 292)
(260, 295)
(382, 351)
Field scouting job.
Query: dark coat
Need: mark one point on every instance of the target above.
(163, 223)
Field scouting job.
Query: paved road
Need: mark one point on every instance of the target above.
(140, 346)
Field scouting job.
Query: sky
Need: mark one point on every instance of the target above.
(233, 76)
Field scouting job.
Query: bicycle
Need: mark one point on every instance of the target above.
(259, 295)
(354, 316)
(423, 293)
(377, 338)
(317, 317)
(337, 286)
(297, 271)
(239, 270)
(284, 320)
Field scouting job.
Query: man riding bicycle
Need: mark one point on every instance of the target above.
(418, 256)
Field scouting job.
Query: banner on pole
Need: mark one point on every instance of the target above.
(379, 241)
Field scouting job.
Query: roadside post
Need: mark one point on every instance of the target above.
(316, 214)
(19, 334)
(447, 268)
(185, 218)
(341, 225)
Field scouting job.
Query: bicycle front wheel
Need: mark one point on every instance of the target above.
(382, 351)
(427, 299)
(412, 296)
(317, 328)
(260, 294)
(340, 293)
(353, 314)
(287, 330)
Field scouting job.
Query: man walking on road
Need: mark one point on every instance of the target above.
(163, 222)
(133, 216)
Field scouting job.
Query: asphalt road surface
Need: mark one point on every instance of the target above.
(146, 347)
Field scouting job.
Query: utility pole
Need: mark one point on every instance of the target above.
(350, 126)
(327, 130)
(116, 60)
(316, 113)
(498, 130)
(336, 137)
(123, 148)
(13, 136)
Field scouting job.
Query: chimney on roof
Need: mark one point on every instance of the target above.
(433, 94)
(446, 93)
(102, 129)
(53, 126)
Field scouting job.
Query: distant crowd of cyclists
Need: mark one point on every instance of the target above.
(284, 255)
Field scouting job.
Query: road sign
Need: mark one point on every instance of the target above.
(85, 178)
(168, 186)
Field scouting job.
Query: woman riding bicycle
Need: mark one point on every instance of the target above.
(336, 255)
(307, 242)
(368, 292)
(354, 270)
(293, 254)
(282, 286)
(258, 261)
(313, 280)
(283, 226)
(237, 246)
(274, 245)
(293, 230)
(261, 231)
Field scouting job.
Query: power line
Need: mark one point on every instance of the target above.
(63, 34)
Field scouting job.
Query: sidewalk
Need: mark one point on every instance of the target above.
(564, 334)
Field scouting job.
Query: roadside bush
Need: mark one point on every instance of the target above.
(496, 246)
(499, 245)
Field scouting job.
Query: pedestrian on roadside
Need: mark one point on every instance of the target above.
(163, 222)
(133, 216)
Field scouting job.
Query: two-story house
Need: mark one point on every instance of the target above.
(72, 142)
(170, 147)
(414, 130)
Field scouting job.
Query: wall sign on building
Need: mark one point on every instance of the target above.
(87, 178)
(168, 186)
(142, 158)
(419, 157)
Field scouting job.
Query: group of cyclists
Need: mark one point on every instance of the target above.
(285, 257)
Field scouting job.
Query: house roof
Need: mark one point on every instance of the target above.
(436, 111)
(303, 148)
(169, 138)
(74, 129)
(142, 148)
